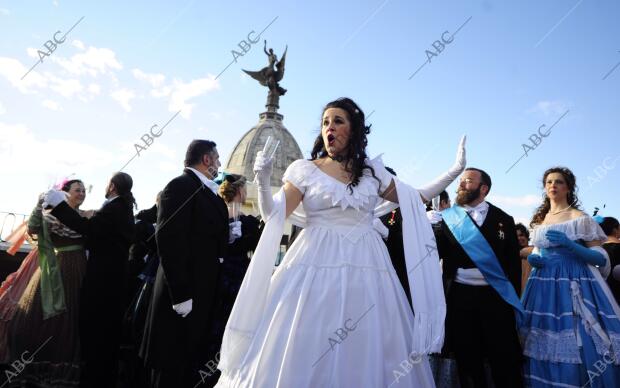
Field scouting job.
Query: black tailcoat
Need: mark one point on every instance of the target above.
(192, 235)
(109, 234)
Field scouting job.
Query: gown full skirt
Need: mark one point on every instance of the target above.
(337, 317)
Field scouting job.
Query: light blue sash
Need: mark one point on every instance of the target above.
(480, 252)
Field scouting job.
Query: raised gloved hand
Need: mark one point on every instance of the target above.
(183, 308)
(234, 231)
(434, 188)
(379, 227)
(590, 256)
(536, 260)
(263, 168)
(53, 198)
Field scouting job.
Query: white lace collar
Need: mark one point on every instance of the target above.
(339, 192)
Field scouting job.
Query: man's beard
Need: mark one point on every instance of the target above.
(464, 197)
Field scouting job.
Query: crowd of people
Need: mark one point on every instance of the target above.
(382, 285)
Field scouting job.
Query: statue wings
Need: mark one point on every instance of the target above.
(280, 66)
(263, 75)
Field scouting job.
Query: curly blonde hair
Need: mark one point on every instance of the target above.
(231, 185)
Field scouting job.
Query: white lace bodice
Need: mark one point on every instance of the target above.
(580, 228)
(326, 200)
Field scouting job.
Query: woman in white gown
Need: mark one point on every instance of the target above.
(334, 314)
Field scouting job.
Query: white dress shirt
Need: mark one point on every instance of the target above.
(478, 212)
(108, 200)
(206, 181)
(473, 276)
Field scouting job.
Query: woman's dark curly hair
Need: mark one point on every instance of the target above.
(355, 157)
(67, 185)
(571, 198)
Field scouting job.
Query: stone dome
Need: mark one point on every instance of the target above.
(241, 159)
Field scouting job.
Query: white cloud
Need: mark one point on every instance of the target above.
(55, 3)
(94, 88)
(163, 92)
(51, 105)
(36, 82)
(525, 220)
(168, 167)
(155, 80)
(161, 149)
(93, 62)
(34, 53)
(65, 87)
(79, 44)
(549, 108)
(5, 12)
(528, 201)
(182, 92)
(13, 71)
(2, 109)
(123, 96)
(18, 143)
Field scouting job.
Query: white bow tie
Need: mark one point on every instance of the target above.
(478, 209)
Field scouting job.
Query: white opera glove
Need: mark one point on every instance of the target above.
(234, 231)
(262, 169)
(434, 216)
(434, 188)
(53, 198)
(183, 308)
(616, 272)
(379, 227)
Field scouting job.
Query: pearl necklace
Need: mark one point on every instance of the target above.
(560, 211)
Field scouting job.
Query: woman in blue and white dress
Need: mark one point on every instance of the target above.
(571, 331)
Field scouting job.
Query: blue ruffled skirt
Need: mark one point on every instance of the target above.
(571, 333)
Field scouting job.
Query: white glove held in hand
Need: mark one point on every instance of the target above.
(434, 188)
(379, 227)
(53, 198)
(183, 308)
(234, 231)
(263, 168)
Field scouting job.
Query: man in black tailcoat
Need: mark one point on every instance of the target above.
(192, 236)
(480, 321)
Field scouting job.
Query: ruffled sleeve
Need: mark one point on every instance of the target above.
(581, 228)
(296, 174)
(380, 172)
(590, 230)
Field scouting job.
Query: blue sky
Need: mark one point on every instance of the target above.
(512, 67)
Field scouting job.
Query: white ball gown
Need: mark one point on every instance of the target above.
(335, 314)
